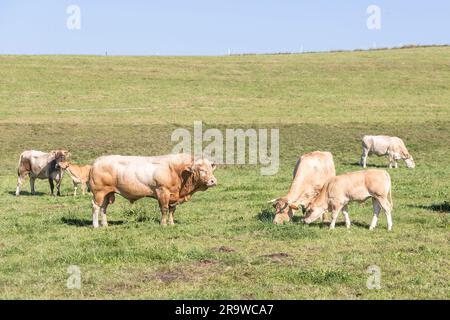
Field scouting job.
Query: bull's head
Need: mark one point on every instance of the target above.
(284, 210)
(410, 161)
(203, 169)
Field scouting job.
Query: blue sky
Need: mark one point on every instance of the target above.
(211, 27)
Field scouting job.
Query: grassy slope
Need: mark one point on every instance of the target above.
(130, 105)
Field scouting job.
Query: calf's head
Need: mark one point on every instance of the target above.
(313, 212)
(284, 210)
(203, 169)
(63, 164)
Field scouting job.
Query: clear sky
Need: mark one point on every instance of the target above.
(212, 27)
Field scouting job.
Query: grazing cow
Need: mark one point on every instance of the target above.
(171, 179)
(311, 172)
(40, 165)
(353, 186)
(79, 175)
(393, 147)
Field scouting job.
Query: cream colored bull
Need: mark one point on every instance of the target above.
(353, 186)
(171, 179)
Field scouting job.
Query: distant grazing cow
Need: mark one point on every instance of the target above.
(40, 165)
(311, 172)
(393, 147)
(171, 179)
(353, 186)
(79, 175)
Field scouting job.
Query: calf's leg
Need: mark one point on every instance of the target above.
(346, 217)
(75, 186)
(335, 212)
(384, 203)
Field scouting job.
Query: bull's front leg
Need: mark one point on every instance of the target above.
(163, 199)
(171, 212)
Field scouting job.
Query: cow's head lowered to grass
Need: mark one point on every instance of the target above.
(284, 210)
(410, 161)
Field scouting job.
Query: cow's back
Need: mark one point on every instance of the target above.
(378, 145)
(133, 176)
(312, 171)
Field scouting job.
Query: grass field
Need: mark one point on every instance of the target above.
(224, 244)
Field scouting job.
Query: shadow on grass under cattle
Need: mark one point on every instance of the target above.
(28, 193)
(437, 207)
(85, 222)
(267, 216)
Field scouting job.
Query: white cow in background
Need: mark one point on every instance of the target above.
(393, 147)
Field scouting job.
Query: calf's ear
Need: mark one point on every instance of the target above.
(293, 206)
(214, 166)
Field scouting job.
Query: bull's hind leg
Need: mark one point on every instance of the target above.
(109, 199)
(376, 212)
(95, 211)
(98, 198)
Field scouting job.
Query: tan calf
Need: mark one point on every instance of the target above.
(79, 175)
(353, 186)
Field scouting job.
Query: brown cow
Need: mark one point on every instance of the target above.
(79, 175)
(311, 172)
(353, 186)
(40, 165)
(171, 179)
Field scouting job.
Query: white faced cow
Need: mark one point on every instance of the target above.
(40, 165)
(311, 172)
(171, 179)
(353, 186)
(393, 147)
